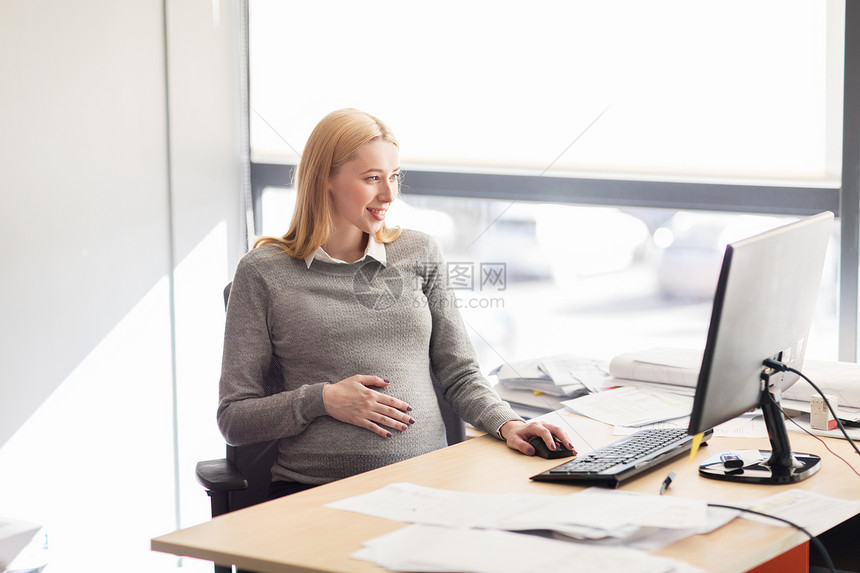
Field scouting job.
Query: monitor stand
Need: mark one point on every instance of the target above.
(782, 465)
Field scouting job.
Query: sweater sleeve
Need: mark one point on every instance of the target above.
(452, 355)
(253, 406)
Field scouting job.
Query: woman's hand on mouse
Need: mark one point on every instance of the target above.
(517, 434)
(354, 401)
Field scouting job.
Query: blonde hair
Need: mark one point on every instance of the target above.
(333, 142)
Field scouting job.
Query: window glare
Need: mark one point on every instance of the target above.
(728, 90)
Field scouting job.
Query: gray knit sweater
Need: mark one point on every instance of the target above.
(329, 322)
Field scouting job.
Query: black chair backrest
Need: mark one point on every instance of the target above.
(255, 462)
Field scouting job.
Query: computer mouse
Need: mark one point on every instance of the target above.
(541, 449)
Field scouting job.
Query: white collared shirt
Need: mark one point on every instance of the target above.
(375, 250)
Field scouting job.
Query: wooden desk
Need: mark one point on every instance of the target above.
(298, 534)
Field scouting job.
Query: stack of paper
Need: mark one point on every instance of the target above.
(559, 376)
(631, 406)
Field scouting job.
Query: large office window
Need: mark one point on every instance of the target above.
(602, 153)
(668, 89)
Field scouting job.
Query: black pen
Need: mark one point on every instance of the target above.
(666, 482)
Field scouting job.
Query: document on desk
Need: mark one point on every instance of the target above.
(631, 406)
(417, 548)
(845, 413)
(417, 504)
(591, 514)
(611, 510)
(574, 370)
(805, 508)
(744, 426)
(562, 376)
(801, 424)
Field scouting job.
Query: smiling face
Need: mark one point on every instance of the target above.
(363, 188)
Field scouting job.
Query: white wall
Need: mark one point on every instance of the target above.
(120, 223)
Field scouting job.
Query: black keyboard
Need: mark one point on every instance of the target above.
(623, 459)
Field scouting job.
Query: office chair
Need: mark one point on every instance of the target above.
(242, 477)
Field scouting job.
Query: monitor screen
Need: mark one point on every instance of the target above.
(763, 308)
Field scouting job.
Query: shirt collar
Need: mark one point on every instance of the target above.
(375, 250)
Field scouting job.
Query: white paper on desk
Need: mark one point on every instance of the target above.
(526, 370)
(845, 413)
(585, 433)
(813, 511)
(744, 426)
(680, 423)
(592, 513)
(418, 504)
(631, 406)
(428, 548)
(801, 424)
(611, 510)
(573, 370)
(652, 539)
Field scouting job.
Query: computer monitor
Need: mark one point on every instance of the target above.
(763, 308)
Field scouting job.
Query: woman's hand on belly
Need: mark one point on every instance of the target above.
(354, 401)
